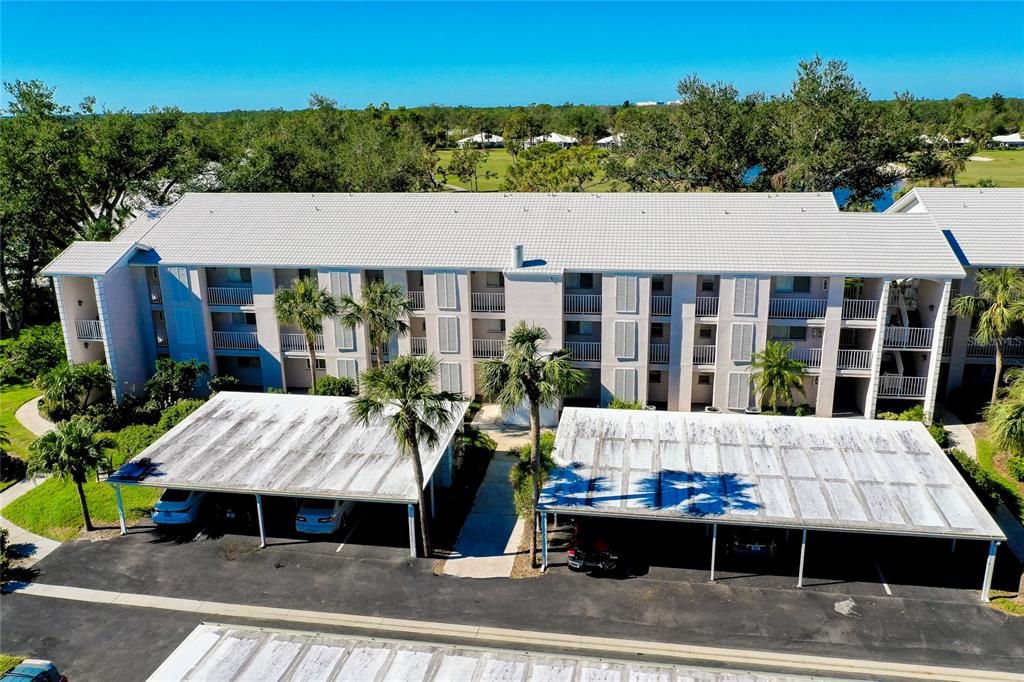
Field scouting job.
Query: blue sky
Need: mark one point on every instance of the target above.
(218, 56)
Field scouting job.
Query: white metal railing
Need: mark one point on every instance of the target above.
(229, 295)
(661, 305)
(703, 355)
(854, 359)
(297, 342)
(155, 294)
(792, 308)
(488, 348)
(416, 301)
(1013, 347)
(237, 340)
(88, 330)
(908, 337)
(418, 345)
(586, 351)
(161, 339)
(947, 345)
(809, 356)
(373, 353)
(860, 309)
(659, 353)
(707, 306)
(489, 302)
(899, 386)
(583, 304)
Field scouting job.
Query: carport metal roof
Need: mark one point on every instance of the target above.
(276, 444)
(790, 472)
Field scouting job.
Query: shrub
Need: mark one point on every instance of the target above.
(12, 468)
(276, 390)
(914, 414)
(174, 414)
(35, 351)
(174, 381)
(617, 404)
(6, 555)
(223, 382)
(335, 386)
(940, 434)
(1016, 467)
(521, 474)
(989, 489)
(804, 410)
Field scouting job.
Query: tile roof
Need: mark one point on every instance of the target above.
(685, 232)
(89, 259)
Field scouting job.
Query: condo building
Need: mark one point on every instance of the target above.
(661, 298)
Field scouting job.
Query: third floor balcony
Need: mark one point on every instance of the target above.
(230, 295)
(917, 338)
(797, 308)
(860, 309)
(296, 343)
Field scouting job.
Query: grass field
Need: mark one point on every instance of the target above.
(994, 462)
(7, 662)
(1006, 168)
(13, 396)
(498, 162)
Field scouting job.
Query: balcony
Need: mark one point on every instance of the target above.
(156, 296)
(658, 353)
(584, 351)
(661, 306)
(853, 359)
(229, 295)
(707, 306)
(860, 309)
(1013, 347)
(583, 304)
(797, 308)
(487, 302)
(947, 345)
(236, 341)
(899, 386)
(704, 355)
(416, 301)
(291, 343)
(88, 330)
(809, 356)
(418, 345)
(908, 337)
(488, 348)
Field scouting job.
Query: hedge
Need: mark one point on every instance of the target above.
(989, 489)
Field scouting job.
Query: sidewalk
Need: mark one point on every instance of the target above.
(28, 415)
(962, 437)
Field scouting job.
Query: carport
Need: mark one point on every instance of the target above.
(793, 473)
(289, 446)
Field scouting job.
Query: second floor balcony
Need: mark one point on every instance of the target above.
(292, 343)
(707, 306)
(659, 354)
(852, 358)
(809, 356)
(156, 296)
(418, 345)
(899, 386)
(860, 309)
(232, 296)
(704, 355)
(416, 300)
(661, 305)
(797, 308)
(584, 351)
(88, 330)
(488, 348)
(917, 338)
(235, 341)
(488, 302)
(583, 304)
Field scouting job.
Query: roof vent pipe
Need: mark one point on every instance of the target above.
(517, 256)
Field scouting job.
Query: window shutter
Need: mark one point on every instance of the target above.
(183, 328)
(742, 341)
(447, 295)
(744, 295)
(625, 384)
(348, 368)
(739, 390)
(180, 289)
(451, 377)
(448, 334)
(625, 293)
(625, 339)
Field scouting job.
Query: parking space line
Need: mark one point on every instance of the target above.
(881, 576)
(350, 532)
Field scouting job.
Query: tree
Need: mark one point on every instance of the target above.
(1005, 417)
(68, 387)
(402, 394)
(70, 451)
(339, 386)
(954, 159)
(998, 303)
(173, 381)
(465, 165)
(383, 308)
(776, 375)
(529, 374)
(516, 133)
(547, 168)
(305, 305)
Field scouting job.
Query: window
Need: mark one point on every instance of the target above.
(703, 379)
(625, 384)
(625, 293)
(745, 296)
(495, 280)
(575, 328)
(348, 367)
(451, 377)
(448, 334)
(654, 377)
(625, 339)
(238, 275)
(579, 280)
(447, 293)
(321, 364)
(658, 283)
(706, 333)
(792, 285)
(243, 319)
(742, 341)
(247, 363)
(707, 286)
(657, 330)
(495, 326)
(739, 390)
(787, 333)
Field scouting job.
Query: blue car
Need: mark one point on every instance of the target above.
(317, 516)
(33, 670)
(178, 507)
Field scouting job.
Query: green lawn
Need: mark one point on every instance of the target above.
(7, 662)
(994, 463)
(13, 396)
(498, 161)
(1006, 168)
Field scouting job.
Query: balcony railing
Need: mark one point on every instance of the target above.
(488, 348)
(583, 304)
(908, 337)
(809, 356)
(707, 306)
(947, 345)
(899, 386)
(155, 294)
(373, 354)
(659, 353)
(229, 295)
(661, 305)
(797, 308)
(88, 330)
(584, 351)
(854, 359)
(416, 301)
(418, 345)
(161, 338)
(237, 341)
(297, 342)
(703, 355)
(860, 309)
(488, 302)
(1013, 347)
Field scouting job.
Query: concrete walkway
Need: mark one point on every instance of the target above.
(487, 545)
(961, 435)
(28, 415)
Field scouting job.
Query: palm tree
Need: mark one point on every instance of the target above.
(70, 452)
(402, 393)
(1005, 417)
(776, 375)
(526, 373)
(383, 307)
(305, 305)
(998, 303)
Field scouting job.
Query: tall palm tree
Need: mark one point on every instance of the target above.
(998, 303)
(776, 375)
(1005, 416)
(384, 308)
(70, 451)
(402, 393)
(305, 305)
(527, 373)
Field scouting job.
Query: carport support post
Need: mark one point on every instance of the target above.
(990, 564)
(431, 497)
(412, 530)
(543, 541)
(120, 510)
(714, 548)
(803, 551)
(259, 520)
